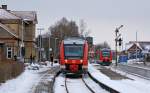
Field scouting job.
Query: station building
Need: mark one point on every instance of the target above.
(17, 29)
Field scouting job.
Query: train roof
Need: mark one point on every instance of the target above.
(74, 40)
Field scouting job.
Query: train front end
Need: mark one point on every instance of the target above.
(105, 57)
(74, 56)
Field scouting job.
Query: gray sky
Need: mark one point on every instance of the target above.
(101, 16)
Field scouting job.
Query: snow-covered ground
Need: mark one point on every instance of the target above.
(59, 86)
(94, 86)
(30, 78)
(137, 85)
(76, 85)
(25, 82)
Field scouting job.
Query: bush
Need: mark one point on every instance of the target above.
(9, 70)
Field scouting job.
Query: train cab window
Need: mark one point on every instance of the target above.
(106, 53)
(73, 51)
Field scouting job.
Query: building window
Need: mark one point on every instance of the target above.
(9, 52)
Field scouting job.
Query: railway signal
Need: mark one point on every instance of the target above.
(116, 40)
(120, 41)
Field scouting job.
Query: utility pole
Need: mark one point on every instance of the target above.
(55, 47)
(40, 43)
(116, 40)
(22, 42)
(49, 47)
(136, 46)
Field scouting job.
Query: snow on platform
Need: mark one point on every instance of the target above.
(25, 82)
(124, 86)
(21, 84)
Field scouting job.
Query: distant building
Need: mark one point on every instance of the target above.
(49, 44)
(139, 49)
(15, 25)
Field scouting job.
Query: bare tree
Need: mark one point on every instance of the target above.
(102, 45)
(64, 28)
(83, 29)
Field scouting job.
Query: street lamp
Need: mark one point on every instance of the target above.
(40, 43)
(55, 48)
(49, 46)
(116, 40)
(22, 48)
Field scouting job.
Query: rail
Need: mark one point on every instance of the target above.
(135, 70)
(88, 86)
(66, 85)
(106, 87)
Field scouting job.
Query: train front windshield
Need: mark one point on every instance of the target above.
(106, 53)
(73, 51)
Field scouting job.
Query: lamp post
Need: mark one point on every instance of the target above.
(55, 48)
(49, 44)
(116, 40)
(22, 48)
(22, 42)
(40, 43)
(136, 47)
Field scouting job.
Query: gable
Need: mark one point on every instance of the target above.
(133, 48)
(5, 34)
(5, 28)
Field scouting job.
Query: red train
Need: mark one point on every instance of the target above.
(105, 57)
(74, 55)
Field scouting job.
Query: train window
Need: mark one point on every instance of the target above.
(73, 51)
(106, 53)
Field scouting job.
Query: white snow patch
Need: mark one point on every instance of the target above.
(21, 84)
(123, 86)
(25, 82)
(59, 86)
(94, 86)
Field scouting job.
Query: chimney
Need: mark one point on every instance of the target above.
(4, 7)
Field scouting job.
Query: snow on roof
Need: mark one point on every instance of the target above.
(147, 47)
(138, 45)
(4, 14)
(26, 15)
(74, 40)
(142, 44)
(129, 45)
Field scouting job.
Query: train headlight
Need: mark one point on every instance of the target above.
(66, 61)
(81, 61)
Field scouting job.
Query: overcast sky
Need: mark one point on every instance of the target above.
(101, 16)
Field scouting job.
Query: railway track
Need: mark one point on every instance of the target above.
(92, 91)
(84, 83)
(66, 85)
(135, 70)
